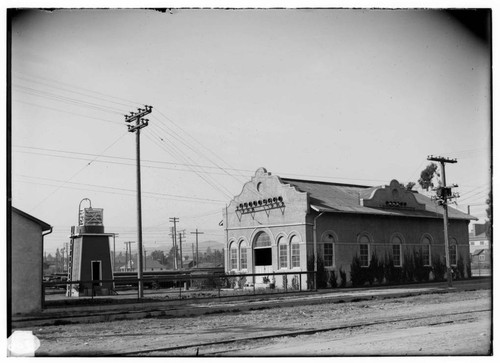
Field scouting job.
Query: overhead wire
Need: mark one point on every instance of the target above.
(78, 172)
(180, 197)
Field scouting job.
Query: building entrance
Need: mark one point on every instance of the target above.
(262, 257)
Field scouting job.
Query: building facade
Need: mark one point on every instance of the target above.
(26, 262)
(276, 225)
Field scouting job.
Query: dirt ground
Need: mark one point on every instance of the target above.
(439, 334)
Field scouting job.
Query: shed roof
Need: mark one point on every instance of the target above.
(345, 198)
(45, 226)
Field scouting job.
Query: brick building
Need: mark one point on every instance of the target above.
(275, 224)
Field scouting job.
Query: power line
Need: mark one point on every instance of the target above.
(74, 175)
(68, 112)
(122, 189)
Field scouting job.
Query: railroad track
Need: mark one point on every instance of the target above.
(195, 348)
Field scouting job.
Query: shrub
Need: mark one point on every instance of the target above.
(285, 282)
(460, 268)
(376, 270)
(421, 271)
(408, 268)
(438, 267)
(332, 279)
(469, 269)
(358, 273)
(343, 277)
(393, 274)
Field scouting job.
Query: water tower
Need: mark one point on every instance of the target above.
(89, 254)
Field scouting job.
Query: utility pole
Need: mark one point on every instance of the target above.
(128, 254)
(140, 122)
(443, 194)
(181, 234)
(174, 220)
(197, 233)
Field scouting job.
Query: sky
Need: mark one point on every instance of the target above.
(343, 95)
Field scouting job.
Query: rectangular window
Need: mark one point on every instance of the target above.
(295, 255)
(396, 255)
(234, 259)
(426, 255)
(243, 258)
(328, 254)
(364, 255)
(453, 254)
(481, 257)
(283, 256)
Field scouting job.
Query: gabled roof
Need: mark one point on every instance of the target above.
(45, 226)
(346, 198)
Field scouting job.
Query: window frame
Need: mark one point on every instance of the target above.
(361, 259)
(233, 260)
(294, 257)
(282, 258)
(243, 247)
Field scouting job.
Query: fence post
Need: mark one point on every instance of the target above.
(300, 282)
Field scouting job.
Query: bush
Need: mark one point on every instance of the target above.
(408, 268)
(438, 268)
(343, 277)
(460, 268)
(421, 271)
(376, 270)
(332, 279)
(393, 274)
(358, 273)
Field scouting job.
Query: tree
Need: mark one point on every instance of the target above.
(410, 185)
(158, 256)
(426, 176)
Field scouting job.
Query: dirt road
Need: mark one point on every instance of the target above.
(456, 323)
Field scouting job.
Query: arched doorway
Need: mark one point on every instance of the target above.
(262, 255)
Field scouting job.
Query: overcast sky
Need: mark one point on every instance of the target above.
(349, 96)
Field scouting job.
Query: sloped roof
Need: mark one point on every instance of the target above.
(42, 224)
(345, 198)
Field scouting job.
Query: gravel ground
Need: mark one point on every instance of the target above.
(469, 334)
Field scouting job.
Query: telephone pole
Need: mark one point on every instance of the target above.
(140, 122)
(128, 254)
(174, 220)
(443, 194)
(181, 234)
(197, 233)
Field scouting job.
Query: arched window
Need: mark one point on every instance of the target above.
(243, 256)
(426, 250)
(233, 256)
(328, 249)
(453, 251)
(295, 251)
(396, 243)
(364, 250)
(262, 250)
(262, 240)
(283, 252)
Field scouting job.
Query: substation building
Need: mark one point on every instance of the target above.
(275, 225)
(90, 256)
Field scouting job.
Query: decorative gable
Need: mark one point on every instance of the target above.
(265, 195)
(392, 196)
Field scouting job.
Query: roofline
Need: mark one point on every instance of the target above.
(437, 216)
(328, 183)
(45, 226)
